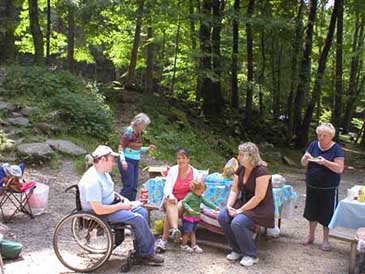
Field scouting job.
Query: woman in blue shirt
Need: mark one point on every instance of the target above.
(325, 161)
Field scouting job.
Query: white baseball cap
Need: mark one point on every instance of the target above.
(12, 170)
(103, 150)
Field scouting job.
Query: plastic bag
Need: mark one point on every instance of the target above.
(158, 227)
(39, 199)
(230, 168)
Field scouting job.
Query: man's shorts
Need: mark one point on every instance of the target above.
(189, 227)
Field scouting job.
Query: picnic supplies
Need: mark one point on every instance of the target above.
(12, 183)
(39, 200)
(230, 168)
(277, 181)
(10, 249)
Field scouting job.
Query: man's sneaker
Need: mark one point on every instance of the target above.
(153, 260)
(161, 245)
(176, 235)
(233, 256)
(248, 261)
(197, 249)
(186, 248)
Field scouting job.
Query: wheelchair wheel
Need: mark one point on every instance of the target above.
(82, 242)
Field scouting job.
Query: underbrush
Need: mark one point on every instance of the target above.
(73, 105)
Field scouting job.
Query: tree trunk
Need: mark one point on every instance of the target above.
(218, 10)
(354, 71)
(193, 39)
(149, 60)
(36, 31)
(130, 81)
(70, 38)
(205, 59)
(339, 84)
(298, 39)
(304, 73)
(175, 58)
(318, 82)
(249, 37)
(9, 14)
(235, 33)
(48, 34)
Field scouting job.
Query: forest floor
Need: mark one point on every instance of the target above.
(280, 255)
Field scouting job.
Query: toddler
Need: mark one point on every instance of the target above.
(191, 215)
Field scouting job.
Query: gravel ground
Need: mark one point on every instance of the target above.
(285, 254)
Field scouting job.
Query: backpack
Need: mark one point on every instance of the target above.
(10, 249)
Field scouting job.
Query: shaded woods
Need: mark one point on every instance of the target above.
(283, 64)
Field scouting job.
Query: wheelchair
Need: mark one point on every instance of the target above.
(83, 241)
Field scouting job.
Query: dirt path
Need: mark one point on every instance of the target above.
(282, 255)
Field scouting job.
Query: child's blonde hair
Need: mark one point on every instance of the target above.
(197, 185)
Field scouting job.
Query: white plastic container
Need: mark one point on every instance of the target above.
(39, 199)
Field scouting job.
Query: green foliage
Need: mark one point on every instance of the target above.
(80, 106)
(357, 123)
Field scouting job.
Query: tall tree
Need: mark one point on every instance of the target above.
(249, 44)
(235, 34)
(48, 34)
(36, 31)
(211, 95)
(319, 76)
(304, 73)
(137, 33)
(9, 14)
(149, 59)
(70, 37)
(339, 70)
(357, 45)
(297, 40)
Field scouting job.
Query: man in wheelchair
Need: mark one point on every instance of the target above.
(97, 195)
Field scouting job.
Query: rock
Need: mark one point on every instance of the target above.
(12, 132)
(35, 150)
(46, 128)
(7, 106)
(16, 114)
(54, 115)
(27, 111)
(4, 122)
(266, 145)
(289, 161)
(19, 121)
(66, 146)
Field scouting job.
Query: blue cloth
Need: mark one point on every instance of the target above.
(237, 232)
(319, 175)
(348, 214)
(137, 218)
(129, 179)
(189, 227)
(96, 187)
(281, 196)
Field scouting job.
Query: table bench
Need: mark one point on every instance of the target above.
(350, 238)
(150, 208)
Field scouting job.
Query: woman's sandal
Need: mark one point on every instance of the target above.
(326, 247)
(308, 242)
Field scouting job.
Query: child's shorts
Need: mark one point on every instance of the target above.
(188, 226)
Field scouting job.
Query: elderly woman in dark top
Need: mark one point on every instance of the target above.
(250, 202)
(325, 161)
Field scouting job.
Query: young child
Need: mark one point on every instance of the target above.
(130, 149)
(191, 215)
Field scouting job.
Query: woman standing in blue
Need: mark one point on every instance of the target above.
(130, 149)
(325, 160)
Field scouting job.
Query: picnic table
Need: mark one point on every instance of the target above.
(217, 192)
(349, 214)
